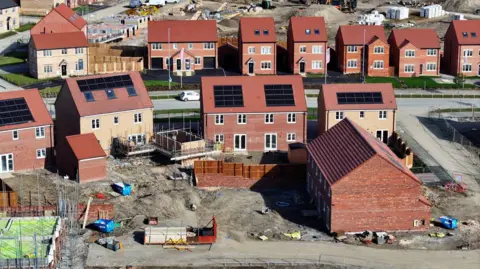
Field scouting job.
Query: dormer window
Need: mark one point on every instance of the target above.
(465, 34)
(257, 32)
(307, 31)
(265, 32)
(317, 31)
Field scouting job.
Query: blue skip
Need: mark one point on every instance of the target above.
(123, 188)
(448, 222)
(104, 225)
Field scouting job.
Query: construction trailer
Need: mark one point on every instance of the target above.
(181, 236)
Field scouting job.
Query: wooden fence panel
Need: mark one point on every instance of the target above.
(8, 199)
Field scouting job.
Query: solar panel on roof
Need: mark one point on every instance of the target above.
(14, 111)
(228, 96)
(348, 98)
(279, 95)
(104, 83)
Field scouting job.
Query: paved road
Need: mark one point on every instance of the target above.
(411, 104)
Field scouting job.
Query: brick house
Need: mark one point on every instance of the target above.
(372, 106)
(42, 7)
(462, 48)
(82, 158)
(415, 52)
(116, 108)
(9, 16)
(26, 132)
(257, 49)
(59, 45)
(197, 39)
(264, 113)
(349, 43)
(306, 45)
(358, 184)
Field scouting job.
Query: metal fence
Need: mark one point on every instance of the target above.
(435, 95)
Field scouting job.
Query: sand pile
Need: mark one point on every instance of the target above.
(462, 5)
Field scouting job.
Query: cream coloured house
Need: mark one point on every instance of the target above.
(9, 16)
(371, 106)
(116, 108)
(58, 55)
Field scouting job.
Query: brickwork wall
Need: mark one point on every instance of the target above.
(419, 62)
(24, 149)
(255, 129)
(308, 56)
(372, 57)
(258, 57)
(92, 170)
(197, 50)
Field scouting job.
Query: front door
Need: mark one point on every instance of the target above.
(302, 67)
(270, 142)
(240, 142)
(382, 135)
(187, 64)
(64, 70)
(421, 69)
(6, 163)
(8, 24)
(179, 64)
(250, 67)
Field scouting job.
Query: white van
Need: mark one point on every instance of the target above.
(154, 3)
(172, 1)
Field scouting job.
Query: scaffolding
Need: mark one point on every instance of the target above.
(128, 147)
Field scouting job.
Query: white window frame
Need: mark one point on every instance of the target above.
(41, 153)
(291, 137)
(47, 53)
(468, 53)
(219, 138)
(381, 138)
(251, 50)
(466, 69)
(16, 133)
(209, 46)
(317, 49)
(141, 136)
(317, 65)
(269, 118)
(266, 50)
(378, 64)
(64, 51)
(379, 50)
(352, 49)
(361, 115)
(219, 119)
(175, 45)
(431, 52)
(48, 68)
(9, 157)
(190, 46)
(291, 118)
(137, 118)
(266, 65)
(302, 49)
(429, 65)
(382, 115)
(271, 136)
(409, 53)
(339, 115)
(78, 50)
(39, 132)
(95, 124)
(405, 67)
(116, 120)
(241, 118)
(157, 46)
(198, 60)
(351, 65)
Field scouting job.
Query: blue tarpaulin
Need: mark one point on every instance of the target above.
(104, 225)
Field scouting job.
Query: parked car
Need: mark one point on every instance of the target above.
(154, 3)
(172, 1)
(135, 3)
(189, 96)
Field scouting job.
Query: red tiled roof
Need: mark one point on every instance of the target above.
(59, 40)
(329, 94)
(422, 38)
(85, 146)
(182, 31)
(36, 105)
(354, 34)
(345, 147)
(102, 104)
(299, 25)
(248, 26)
(253, 94)
(469, 27)
(70, 16)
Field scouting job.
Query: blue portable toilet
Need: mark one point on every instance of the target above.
(448, 222)
(123, 188)
(104, 225)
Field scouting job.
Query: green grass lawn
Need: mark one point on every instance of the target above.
(22, 79)
(157, 97)
(6, 60)
(7, 34)
(25, 27)
(394, 82)
(156, 83)
(50, 92)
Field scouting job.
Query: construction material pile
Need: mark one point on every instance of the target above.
(143, 11)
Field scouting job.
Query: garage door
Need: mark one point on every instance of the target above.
(209, 62)
(157, 63)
